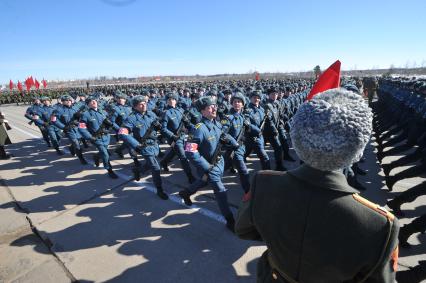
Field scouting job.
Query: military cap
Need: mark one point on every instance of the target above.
(272, 90)
(66, 97)
(239, 96)
(120, 95)
(44, 98)
(90, 98)
(352, 88)
(227, 91)
(255, 93)
(331, 131)
(204, 102)
(138, 99)
(82, 94)
(172, 95)
(195, 95)
(212, 93)
(73, 95)
(144, 92)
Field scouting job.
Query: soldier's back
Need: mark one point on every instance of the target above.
(318, 229)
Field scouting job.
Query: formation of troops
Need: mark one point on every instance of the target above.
(400, 129)
(212, 127)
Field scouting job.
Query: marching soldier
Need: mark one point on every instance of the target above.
(203, 150)
(254, 139)
(119, 113)
(143, 126)
(94, 126)
(237, 125)
(44, 121)
(185, 100)
(174, 122)
(66, 118)
(33, 113)
(271, 132)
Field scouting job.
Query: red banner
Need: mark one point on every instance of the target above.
(10, 85)
(19, 86)
(44, 82)
(37, 84)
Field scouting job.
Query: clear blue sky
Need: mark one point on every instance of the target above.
(87, 38)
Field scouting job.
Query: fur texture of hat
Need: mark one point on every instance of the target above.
(330, 131)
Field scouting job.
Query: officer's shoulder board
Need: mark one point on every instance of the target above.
(198, 125)
(374, 206)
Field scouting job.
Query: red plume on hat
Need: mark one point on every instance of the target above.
(329, 79)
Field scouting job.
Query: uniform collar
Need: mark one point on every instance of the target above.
(234, 112)
(329, 180)
(209, 124)
(252, 105)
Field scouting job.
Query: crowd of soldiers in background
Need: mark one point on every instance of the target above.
(250, 114)
(400, 129)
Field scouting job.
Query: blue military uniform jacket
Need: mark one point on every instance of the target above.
(185, 102)
(195, 115)
(64, 116)
(203, 143)
(33, 110)
(271, 125)
(44, 118)
(119, 115)
(152, 103)
(256, 116)
(233, 125)
(90, 124)
(170, 121)
(138, 124)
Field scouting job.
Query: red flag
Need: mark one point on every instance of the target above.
(257, 77)
(329, 79)
(28, 84)
(31, 81)
(10, 85)
(44, 82)
(19, 86)
(37, 84)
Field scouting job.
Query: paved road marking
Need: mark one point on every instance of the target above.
(173, 197)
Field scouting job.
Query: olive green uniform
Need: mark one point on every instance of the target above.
(4, 137)
(317, 229)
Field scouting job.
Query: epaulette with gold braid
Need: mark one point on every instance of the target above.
(198, 125)
(374, 206)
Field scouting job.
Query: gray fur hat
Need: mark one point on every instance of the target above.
(330, 131)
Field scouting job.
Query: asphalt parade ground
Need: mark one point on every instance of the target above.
(61, 221)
